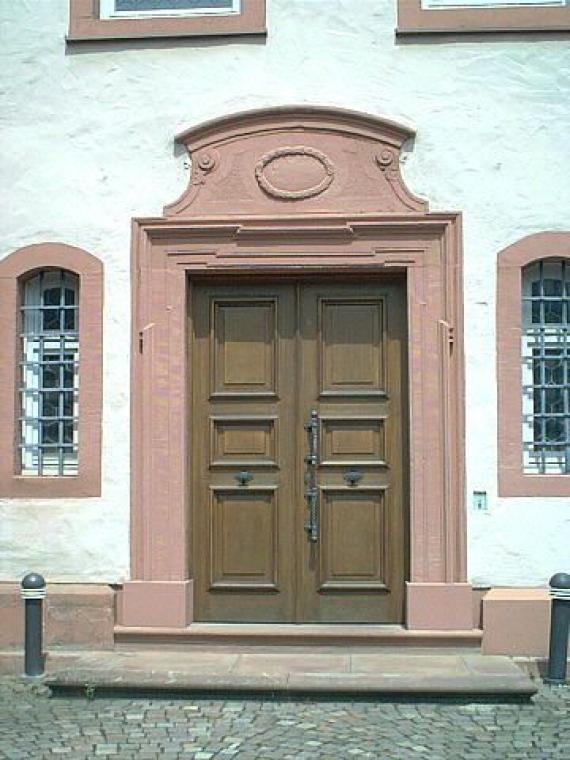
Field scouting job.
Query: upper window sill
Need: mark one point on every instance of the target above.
(413, 19)
(85, 25)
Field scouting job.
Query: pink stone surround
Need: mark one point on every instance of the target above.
(86, 25)
(516, 621)
(13, 270)
(336, 202)
(414, 19)
(510, 263)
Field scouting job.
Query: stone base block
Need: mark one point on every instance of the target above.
(78, 616)
(516, 621)
(11, 617)
(439, 606)
(162, 604)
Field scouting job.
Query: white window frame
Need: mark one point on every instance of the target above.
(61, 345)
(107, 11)
(543, 336)
(455, 4)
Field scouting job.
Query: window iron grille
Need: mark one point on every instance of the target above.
(546, 367)
(49, 372)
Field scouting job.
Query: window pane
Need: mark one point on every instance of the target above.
(486, 3)
(49, 374)
(546, 367)
(171, 5)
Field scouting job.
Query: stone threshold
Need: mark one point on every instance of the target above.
(347, 671)
(341, 635)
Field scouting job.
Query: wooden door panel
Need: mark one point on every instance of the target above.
(349, 441)
(243, 440)
(243, 537)
(353, 535)
(244, 347)
(243, 422)
(353, 372)
(351, 346)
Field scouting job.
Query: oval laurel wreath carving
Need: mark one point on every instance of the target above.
(300, 150)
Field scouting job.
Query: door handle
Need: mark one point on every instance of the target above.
(353, 477)
(243, 478)
(311, 490)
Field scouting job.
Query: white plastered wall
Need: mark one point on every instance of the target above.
(86, 144)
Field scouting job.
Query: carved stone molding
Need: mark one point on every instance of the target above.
(252, 162)
(294, 166)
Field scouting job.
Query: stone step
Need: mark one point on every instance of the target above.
(286, 634)
(306, 671)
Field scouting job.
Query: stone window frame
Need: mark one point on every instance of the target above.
(85, 24)
(413, 19)
(511, 261)
(14, 270)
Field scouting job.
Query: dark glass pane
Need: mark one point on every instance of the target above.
(554, 373)
(171, 5)
(69, 319)
(50, 432)
(50, 404)
(554, 430)
(554, 400)
(67, 404)
(68, 431)
(535, 312)
(552, 287)
(52, 296)
(553, 312)
(51, 319)
(536, 371)
(50, 375)
(69, 297)
(68, 375)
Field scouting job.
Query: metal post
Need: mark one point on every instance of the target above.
(559, 628)
(33, 591)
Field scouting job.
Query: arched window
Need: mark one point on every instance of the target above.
(546, 367)
(49, 391)
(533, 366)
(51, 372)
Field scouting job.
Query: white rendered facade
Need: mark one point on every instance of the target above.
(87, 144)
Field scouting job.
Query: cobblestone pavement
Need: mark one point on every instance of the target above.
(34, 726)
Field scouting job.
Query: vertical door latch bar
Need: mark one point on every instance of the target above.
(311, 491)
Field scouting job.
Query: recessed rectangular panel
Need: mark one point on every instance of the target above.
(350, 441)
(353, 529)
(352, 347)
(237, 441)
(244, 350)
(243, 539)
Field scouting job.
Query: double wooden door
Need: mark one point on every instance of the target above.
(298, 493)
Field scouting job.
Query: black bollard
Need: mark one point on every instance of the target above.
(33, 591)
(559, 628)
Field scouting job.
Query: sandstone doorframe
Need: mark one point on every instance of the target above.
(272, 191)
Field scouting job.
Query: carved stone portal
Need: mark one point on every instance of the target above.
(312, 159)
(276, 192)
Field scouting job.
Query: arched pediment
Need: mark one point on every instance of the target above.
(295, 159)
